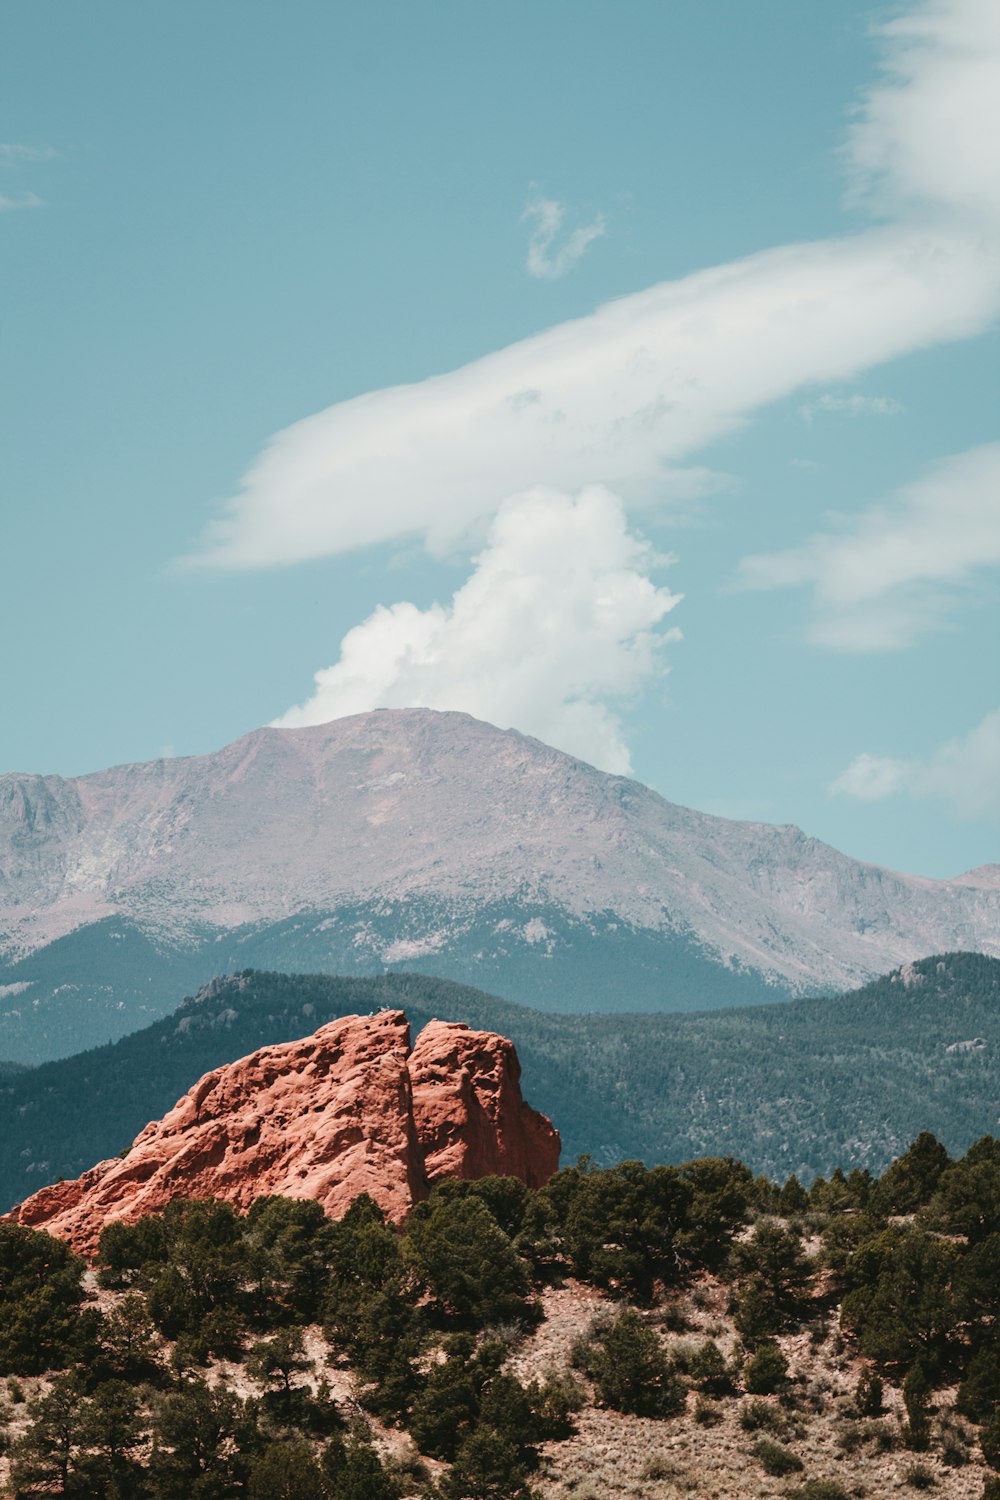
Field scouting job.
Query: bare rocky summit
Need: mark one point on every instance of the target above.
(346, 1111)
(420, 822)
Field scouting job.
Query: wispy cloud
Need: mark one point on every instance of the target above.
(890, 574)
(559, 617)
(625, 395)
(851, 406)
(628, 398)
(621, 397)
(23, 200)
(965, 772)
(551, 253)
(16, 155)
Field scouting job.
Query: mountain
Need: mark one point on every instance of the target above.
(417, 839)
(350, 1109)
(801, 1087)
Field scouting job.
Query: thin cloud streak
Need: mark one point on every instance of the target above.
(891, 573)
(26, 200)
(965, 772)
(851, 406)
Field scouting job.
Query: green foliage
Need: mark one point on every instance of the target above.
(710, 1372)
(979, 1393)
(40, 1297)
(869, 1397)
(912, 1178)
(354, 1471)
(990, 1440)
(621, 1226)
(766, 1372)
(967, 1200)
(203, 1437)
(459, 1252)
(775, 1275)
(286, 1471)
(631, 1371)
(900, 1306)
(776, 1460)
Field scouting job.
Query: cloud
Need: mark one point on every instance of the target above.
(924, 139)
(15, 155)
(621, 397)
(559, 616)
(964, 772)
(549, 215)
(25, 200)
(891, 574)
(631, 393)
(852, 406)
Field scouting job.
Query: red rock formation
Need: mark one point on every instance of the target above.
(470, 1117)
(346, 1111)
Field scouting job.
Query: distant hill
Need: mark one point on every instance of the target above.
(412, 840)
(800, 1087)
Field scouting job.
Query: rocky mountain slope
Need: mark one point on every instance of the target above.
(800, 1087)
(348, 1110)
(417, 838)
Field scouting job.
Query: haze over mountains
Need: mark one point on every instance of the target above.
(415, 838)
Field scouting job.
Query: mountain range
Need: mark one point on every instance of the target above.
(415, 839)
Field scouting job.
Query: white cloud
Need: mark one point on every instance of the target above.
(890, 574)
(625, 395)
(619, 398)
(24, 200)
(964, 772)
(14, 155)
(851, 406)
(546, 260)
(924, 140)
(559, 616)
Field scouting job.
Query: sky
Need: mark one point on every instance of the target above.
(624, 374)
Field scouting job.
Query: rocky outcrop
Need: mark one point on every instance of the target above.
(470, 1118)
(348, 1110)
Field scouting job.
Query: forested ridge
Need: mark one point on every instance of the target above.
(795, 1086)
(845, 1332)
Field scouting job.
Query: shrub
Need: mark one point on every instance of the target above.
(632, 1373)
(870, 1395)
(767, 1372)
(707, 1412)
(919, 1477)
(775, 1459)
(761, 1415)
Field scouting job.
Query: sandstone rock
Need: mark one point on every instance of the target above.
(345, 1111)
(470, 1117)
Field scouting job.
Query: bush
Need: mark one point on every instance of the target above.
(870, 1395)
(632, 1373)
(820, 1489)
(775, 1459)
(767, 1372)
(919, 1477)
(756, 1416)
(706, 1412)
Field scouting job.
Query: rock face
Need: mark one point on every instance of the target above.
(348, 1110)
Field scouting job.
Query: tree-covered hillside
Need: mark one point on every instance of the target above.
(799, 1087)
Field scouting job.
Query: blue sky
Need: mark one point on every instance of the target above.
(722, 505)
